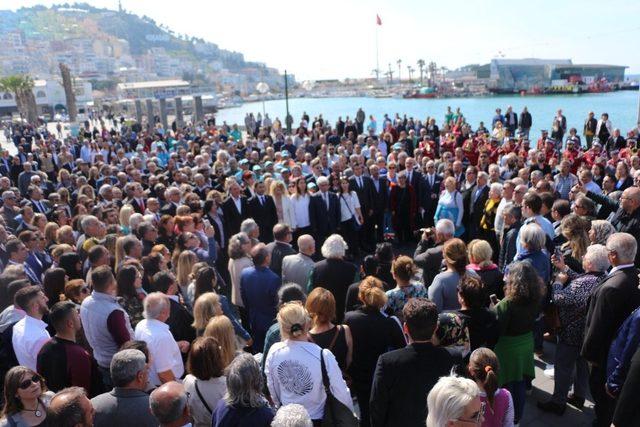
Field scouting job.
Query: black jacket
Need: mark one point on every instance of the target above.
(525, 120)
(609, 305)
(427, 192)
(233, 218)
(428, 256)
(180, 321)
(401, 382)
(508, 245)
(335, 275)
(265, 215)
(381, 196)
(278, 251)
(366, 193)
(324, 222)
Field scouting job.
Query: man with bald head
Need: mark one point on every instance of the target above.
(296, 268)
(168, 403)
(70, 407)
(626, 211)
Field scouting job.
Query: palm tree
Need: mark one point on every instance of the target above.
(390, 74)
(433, 69)
(410, 70)
(421, 67)
(21, 86)
(399, 62)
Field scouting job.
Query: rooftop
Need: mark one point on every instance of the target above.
(152, 84)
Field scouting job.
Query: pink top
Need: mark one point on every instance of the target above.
(501, 414)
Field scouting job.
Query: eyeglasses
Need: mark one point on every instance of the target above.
(477, 417)
(36, 379)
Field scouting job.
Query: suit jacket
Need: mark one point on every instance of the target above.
(115, 408)
(168, 209)
(259, 289)
(138, 208)
(233, 218)
(278, 251)
(180, 321)
(335, 275)
(427, 191)
(296, 269)
(402, 380)
(265, 215)
(473, 218)
(366, 193)
(380, 196)
(429, 258)
(323, 221)
(609, 305)
(416, 181)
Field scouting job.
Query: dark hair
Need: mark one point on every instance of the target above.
(69, 413)
(472, 291)
(24, 296)
(483, 367)
(12, 246)
(259, 254)
(60, 313)
(126, 279)
(69, 261)
(163, 281)
(14, 286)
(421, 318)
(280, 231)
(291, 292)
(562, 206)
(101, 278)
(137, 345)
(151, 265)
(12, 379)
(533, 201)
(205, 359)
(205, 281)
(384, 252)
(547, 199)
(53, 284)
(95, 253)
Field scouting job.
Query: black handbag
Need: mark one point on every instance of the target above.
(336, 413)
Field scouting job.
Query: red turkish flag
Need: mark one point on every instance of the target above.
(378, 20)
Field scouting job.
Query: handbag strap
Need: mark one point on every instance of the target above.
(325, 376)
(347, 203)
(204, 402)
(333, 340)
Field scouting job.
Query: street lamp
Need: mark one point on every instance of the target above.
(263, 88)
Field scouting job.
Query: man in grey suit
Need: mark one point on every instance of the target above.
(127, 404)
(296, 268)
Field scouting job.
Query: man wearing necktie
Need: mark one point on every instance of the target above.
(364, 188)
(262, 209)
(324, 213)
(35, 194)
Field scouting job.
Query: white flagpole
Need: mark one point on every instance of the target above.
(377, 53)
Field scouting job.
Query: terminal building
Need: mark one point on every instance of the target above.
(549, 75)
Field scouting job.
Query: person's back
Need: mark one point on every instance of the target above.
(335, 275)
(122, 407)
(259, 288)
(443, 291)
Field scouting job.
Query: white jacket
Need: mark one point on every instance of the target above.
(294, 375)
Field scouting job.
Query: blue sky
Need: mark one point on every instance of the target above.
(336, 38)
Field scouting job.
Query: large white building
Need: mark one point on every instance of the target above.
(50, 97)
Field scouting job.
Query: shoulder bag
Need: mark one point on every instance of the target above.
(354, 220)
(336, 413)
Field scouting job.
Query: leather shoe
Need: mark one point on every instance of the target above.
(553, 407)
(576, 401)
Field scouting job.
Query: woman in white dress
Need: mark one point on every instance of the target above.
(300, 203)
(284, 207)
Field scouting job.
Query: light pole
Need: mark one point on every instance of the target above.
(262, 88)
(288, 119)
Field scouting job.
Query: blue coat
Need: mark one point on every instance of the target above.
(539, 260)
(622, 349)
(259, 290)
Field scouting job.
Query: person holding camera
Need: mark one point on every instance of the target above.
(428, 254)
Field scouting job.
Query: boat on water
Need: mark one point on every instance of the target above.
(422, 93)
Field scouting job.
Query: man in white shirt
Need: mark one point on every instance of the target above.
(166, 360)
(30, 333)
(586, 179)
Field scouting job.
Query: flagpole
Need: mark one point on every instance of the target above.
(377, 55)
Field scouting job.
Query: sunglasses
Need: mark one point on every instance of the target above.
(36, 379)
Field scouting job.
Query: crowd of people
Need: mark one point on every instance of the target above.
(353, 273)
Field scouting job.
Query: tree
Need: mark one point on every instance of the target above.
(410, 70)
(70, 96)
(22, 88)
(421, 67)
(399, 62)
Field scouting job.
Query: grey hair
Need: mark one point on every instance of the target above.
(597, 256)
(88, 221)
(602, 230)
(292, 415)
(167, 411)
(533, 237)
(104, 189)
(624, 245)
(135, 220)
(125, 365)
(235, 245)
(445, 227)
(537, 173)
(244, 382)
(70, 412)
(322, 180)
(497, 187)
(154, 304)
(483, 175)
(448, 398)
(248, 225)
(334, 247)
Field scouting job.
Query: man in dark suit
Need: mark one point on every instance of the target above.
(280, 247)
(324, 213)
(404, 377)
(611, 303)
(37, 203)
(414, 179)
(363, 186)
(173, 201)
(429, 193)
(380, 201)
(474, 199)
(137, 198)
(262, 209)
(234, 210)
(180, 319)
(5, 163)
(428, 254)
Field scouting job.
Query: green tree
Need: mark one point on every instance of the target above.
(22, 88)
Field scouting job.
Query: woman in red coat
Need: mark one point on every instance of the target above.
(404, 208)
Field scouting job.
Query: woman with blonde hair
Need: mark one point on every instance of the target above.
(294, 367)
(184, 268)
(576, 230)
(373, 334)
(455, 401)
(206, 307)
(220, 328)
(39, 222)
(284, 207)
(125, 214)
(49, 233)
(119, 251)
(403, 270)
(480, 258)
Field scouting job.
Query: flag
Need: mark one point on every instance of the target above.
(378, 20)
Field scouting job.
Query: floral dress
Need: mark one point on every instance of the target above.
(398, 297)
